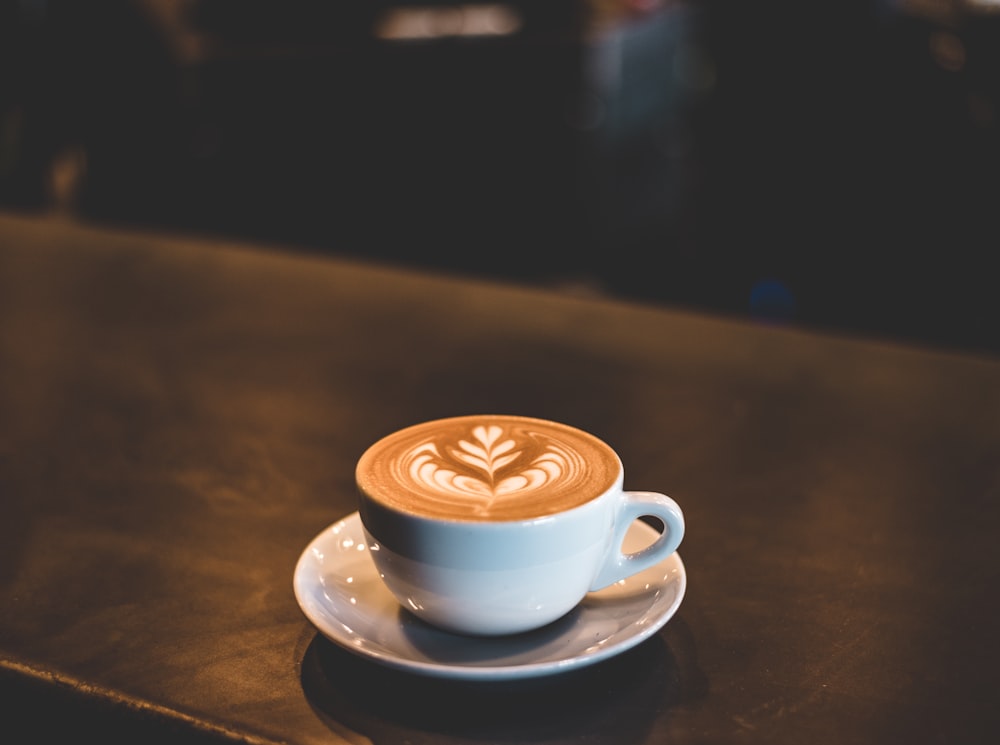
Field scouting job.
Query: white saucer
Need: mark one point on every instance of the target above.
(339, 591)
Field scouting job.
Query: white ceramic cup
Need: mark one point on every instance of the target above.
(497, 524)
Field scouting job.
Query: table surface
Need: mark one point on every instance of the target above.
(180, 417)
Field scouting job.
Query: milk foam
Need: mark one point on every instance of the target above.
(488, 468)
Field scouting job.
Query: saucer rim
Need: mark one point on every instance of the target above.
(304, 573)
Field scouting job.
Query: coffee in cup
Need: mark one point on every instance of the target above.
(497, 524)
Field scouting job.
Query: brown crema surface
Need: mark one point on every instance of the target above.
(487, 468)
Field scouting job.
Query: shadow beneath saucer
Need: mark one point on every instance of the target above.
(615, 701)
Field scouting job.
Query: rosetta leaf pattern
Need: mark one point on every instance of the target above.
(487, 465)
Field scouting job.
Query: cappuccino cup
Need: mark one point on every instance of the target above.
(498, 524)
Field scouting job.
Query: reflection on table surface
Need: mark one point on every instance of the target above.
(179, 417)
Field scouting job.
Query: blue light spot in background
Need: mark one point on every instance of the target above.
(771, 300)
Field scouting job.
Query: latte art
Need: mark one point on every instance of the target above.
(488, 468)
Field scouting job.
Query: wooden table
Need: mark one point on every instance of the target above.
(179, 417)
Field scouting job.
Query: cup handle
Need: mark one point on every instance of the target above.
(632, 505)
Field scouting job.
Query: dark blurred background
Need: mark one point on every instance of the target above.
(829, 164)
